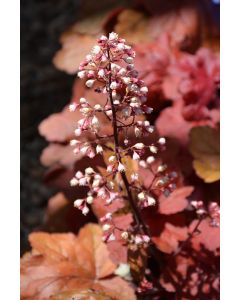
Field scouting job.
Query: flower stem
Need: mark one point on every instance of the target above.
(137, 216)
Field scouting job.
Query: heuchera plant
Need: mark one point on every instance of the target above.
(159, 222)
(109, 69)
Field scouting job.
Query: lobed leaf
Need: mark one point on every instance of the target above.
(65, 262)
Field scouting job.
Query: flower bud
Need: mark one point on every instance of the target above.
(95, 122)
(96, 49)
(120, 46)
(96, 183)
(109, 113)
(134, 177)
(124, 235)
(78, 131)
(79, 175)
(74, 142)
(89, 171)
(111, 237)
(72, 107)
(126, 80)
(99, 149)
(103, 38)
(151, 201)
(128, 60)
(82, 100)
(139, 146)
(146, 238)
(88, 57)
(137, 132)
(150, 159)
(141, 196)
(113, 36)
(138, 240)
(112, 158)
(83, 181)
(107, 217)
(113, 85)
(162, 141)
(78, 203)
(98, 107)
(136, 156)
(74, 182)
(84, 149)
(143, 164)
(85, 210)
(122, 72)
(89, 83)
(153, 149)
(121, 167)
(81, 74)
(85, 110)
(106, 227)
(162, 168)
(144, 89)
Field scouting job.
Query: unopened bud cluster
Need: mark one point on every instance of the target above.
(212, 211)
(109, 69)
(109, 232)
(98, 186)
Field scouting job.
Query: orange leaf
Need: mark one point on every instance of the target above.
(77, 42)
(132, 26)
(204, 146)
(81, 295)
(74, 49)
(59, 127)
(65, 262)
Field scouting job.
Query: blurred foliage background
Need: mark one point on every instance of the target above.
(45, 90)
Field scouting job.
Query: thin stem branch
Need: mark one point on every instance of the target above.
(138, 218)
(190, 236)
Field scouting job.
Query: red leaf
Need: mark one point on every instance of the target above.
(170, 237)
(57, 154)
(176, 202)
(209, 236)
(172, 118)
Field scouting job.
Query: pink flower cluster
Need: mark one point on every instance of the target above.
(109, 69)
(212, 211)
(98, 186)
(109, 229)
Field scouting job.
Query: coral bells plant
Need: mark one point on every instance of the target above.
(156, 200)
(109, 70)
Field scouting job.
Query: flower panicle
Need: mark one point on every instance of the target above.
(109, 69)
